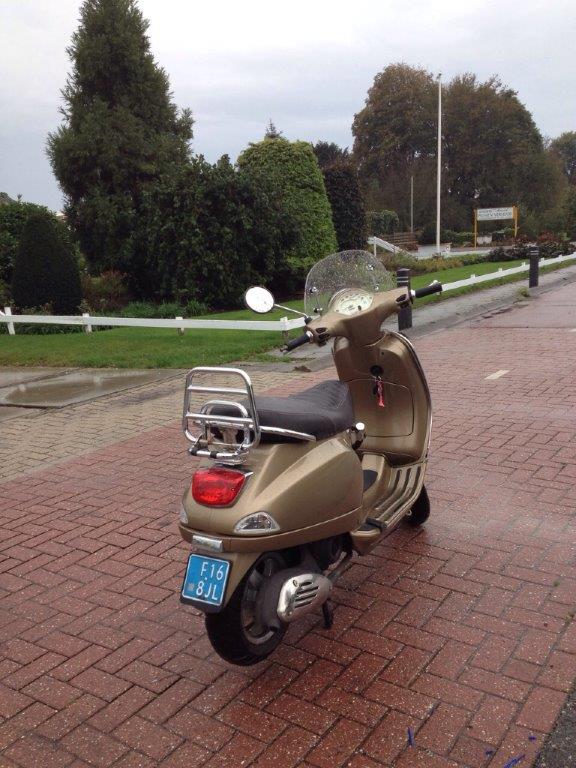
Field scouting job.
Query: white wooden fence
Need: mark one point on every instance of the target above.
(284, 324)
(180, 323)
(498, 273)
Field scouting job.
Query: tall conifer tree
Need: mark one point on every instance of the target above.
(121, 130)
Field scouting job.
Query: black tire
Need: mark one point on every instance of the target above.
(235, 633)
(420, 511)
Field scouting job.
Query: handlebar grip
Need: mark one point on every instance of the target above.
(298, 341)
(428, 290)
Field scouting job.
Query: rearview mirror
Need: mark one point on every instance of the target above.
(259, 299)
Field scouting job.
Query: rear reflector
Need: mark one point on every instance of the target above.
(216, 486)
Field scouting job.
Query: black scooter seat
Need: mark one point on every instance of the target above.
(322, 411)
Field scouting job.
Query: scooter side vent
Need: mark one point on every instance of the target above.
(301, 594)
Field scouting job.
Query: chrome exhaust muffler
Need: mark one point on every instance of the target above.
(301, 594)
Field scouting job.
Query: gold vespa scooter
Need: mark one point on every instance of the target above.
(290, 487)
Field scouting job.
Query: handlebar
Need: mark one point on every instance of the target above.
(298, 341)
(428, 290)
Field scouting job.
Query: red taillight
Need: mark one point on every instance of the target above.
(217, 487)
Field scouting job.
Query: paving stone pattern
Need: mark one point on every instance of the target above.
(459, 634)
(41, 438)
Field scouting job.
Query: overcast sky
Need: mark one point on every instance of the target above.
(307, 65)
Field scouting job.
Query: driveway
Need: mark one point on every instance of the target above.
(452, 647)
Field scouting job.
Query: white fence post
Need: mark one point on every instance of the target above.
(87, 326)
(11, 328)
(181, 329)
(284, 322)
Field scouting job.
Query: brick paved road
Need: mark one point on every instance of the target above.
(48, 437)
(461, 632)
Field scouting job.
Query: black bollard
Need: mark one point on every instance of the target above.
(534, 256)
(405, 313)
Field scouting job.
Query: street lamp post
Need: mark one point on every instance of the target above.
(412, 203)
(439, 168)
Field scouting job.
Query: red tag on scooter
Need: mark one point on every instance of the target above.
(380, 393)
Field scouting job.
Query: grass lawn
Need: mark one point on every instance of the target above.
(165, 348)
(136, 348)
(460, 273)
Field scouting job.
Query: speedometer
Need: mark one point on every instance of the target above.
(350, 301)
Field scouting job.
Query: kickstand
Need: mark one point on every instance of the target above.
(328, 613)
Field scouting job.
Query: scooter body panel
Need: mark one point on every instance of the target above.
(400, 430)
(300, 485)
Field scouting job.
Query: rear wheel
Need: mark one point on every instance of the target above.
(420, 511)
(235, 633)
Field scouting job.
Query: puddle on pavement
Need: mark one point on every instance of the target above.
(75, 387)
(11, 376)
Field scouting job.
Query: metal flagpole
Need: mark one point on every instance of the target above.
(439, 168)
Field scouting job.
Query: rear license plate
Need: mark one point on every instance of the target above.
(205, 580)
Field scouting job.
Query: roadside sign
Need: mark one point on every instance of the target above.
(495, 214)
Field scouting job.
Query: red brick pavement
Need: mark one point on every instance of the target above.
(461, 632)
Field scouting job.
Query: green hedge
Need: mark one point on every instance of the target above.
(45, 268)
(348, 214)
(165, 310)
(394, 261)
(547, 250)
(382, 223)
(292, 169)
(13, 216)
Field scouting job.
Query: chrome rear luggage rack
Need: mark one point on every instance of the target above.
(228, 449)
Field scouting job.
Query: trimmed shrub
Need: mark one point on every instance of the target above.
(291, 168)
(428, 234)
(500, 235)
(457, 238)
(556, 248)
(508, 254)
(328, 153)
(166, 310)
(348, 215)
(106, 292)
(548, 250)
(394, 261)
(400, 260)
(382, 223)
(13, 216)
(4, 294)
(45, 268)
(208, 233)
(437, 263)
(195, 308)
(569, 212)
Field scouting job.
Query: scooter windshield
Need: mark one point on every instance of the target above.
(347, 270)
